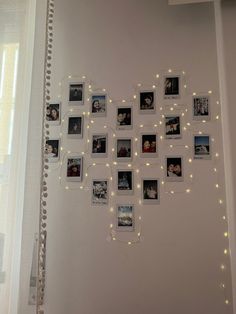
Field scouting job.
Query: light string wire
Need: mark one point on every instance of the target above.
(171, 107)
(44, 161)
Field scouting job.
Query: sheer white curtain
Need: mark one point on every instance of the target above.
(16, 54)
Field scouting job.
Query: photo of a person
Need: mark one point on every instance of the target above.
(75, 126)
(53, 113)
(201, 107)
(125, 218)
(172, 127)
(171, 87)
(74, 168)
(98, 106)
(100, 192)
(76, 91)
(124, 118)
(124, 182)
(99, 145)
(124, 149)
(202, 147)
(150, 191)
(149, 145)
(174, 169)
(146, 102)
(52, 150)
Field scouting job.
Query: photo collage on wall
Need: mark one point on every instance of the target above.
(124, 126)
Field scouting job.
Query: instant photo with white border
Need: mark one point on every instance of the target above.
(52, 156)
(126, 183)
(99, 151)
(76, 161)
(123, 149)
(153, 195)
(78, 98)
(172, 174)
(201, 111)
(175, 129)
(121, 123)
(148, 151)
(74, 129)
(147, 99)
(53, 113)
(100, 196)
(130, 214)
(98, 106)
(202, 150)
(171, 91)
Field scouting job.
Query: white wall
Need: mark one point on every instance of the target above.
(176, 268)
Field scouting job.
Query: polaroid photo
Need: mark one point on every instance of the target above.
(99, 145)
(76, 93)
(125, 182)
(124, 118)
(148, 145)
(52, 150)
(174, 168)
(201, 108)
(173, 127)
(150, 191)
(100, 192)
(147, 102)
(172, 87)
(202, 147)
(75, 126)
(124, 149)
(74, 170)
(125, 219)
(98, 105)
(53, 113)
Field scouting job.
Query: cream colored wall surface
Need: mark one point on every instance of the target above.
(176, 266)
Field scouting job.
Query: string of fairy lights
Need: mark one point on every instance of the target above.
(173, 106)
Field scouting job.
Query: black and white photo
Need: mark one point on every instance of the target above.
(147, 102)
(149, 145)
(75, 126)
(52, 150)
(150, 191)
(98, 105)
(99, 145)
(53, 113)
(201, 107)
(100, 192)
(124, 149)
(124, 182)
(172, 127)
(124, 118)
(76, 94)
(74, 168)
(174, 168)
(171, 87)
(125, 217)
(202, 148)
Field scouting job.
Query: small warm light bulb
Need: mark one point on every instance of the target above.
(147, 164)
(86, 174)
(153, 86)
(191, 176)
(226, 234)
(157, 75)
(87, 126)
(111, 226)
(140, 202)
(227, 302)
(67, 187)
(111, 178)
(140, 218)
(162, 182)
(217, 186)
(171, 146)
(155, 125)
(217, 155)
(104, 90)
(172, 192)
(194, 94)
(185, 86)
(84, 77)
(111, 209)
(62, 148)
(113, 135)
(169, 70)
(107, 165)
(224, 217)
(209, 92)
(88, 99)
(171, 109)
(88, 141)
(188, 124)
(225, 251)
(105, 126)
(161, 137)
(112, 193)
(188, 191)
(136, 154)
(129, 243)
(190, 160)
(182, 114)
(183, 72)
(92, 121)
(81, 187)
(137, 170)
(220, 202)
(186, 146)
(82, 153)
(203, 121)
(84, 113)
(138, 186)
(60, 134)
(113, 149)
(200, 132)
(136, 139)
(139, 234)
(114, 163)
(59, 178)
(94, 164)
(139, 85)
(217, 117)
(161, 108)
(162, 167)
(110, 101)
(215, 170)
(69, 76)
(141, 125)
(222, 267)
(184, 128)
(114, 239)
(123, 100)
(186, 110)
(129, 165)
(134, 96)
